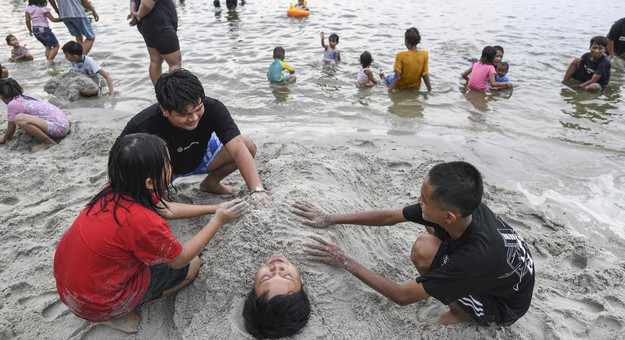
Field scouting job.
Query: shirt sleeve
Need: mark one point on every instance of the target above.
(614, 30)
(287, 66)
(398, 60)
(414, 213)
(92, 65)
(225, 127)
(13, 108)
(153, 241)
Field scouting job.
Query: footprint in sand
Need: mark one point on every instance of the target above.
(46, 304)
(605, 327)
(9, 201)
(578, 261)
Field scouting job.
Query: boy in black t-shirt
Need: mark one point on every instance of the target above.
(616, 45)
(470, 259)
(592, 69)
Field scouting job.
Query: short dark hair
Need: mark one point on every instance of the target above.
(503, 64)
(599, 40)
(280, 316)
(38, 3)
(498, 48)
(177, 90)
(488, 55)
(334, 36)
(278, 53)
(412, 36)
(8, 39)
(9, 88)
(73, 48)
(457, 185)
(366, 59)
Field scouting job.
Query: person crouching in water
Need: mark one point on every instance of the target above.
(120, 253)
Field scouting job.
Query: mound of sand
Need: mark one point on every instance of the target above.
(69, 85)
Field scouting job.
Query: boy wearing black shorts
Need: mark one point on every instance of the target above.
(592, 69)
(469, 259)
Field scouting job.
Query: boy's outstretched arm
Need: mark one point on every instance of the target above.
(332, 254)
(8, 133)
(109, 82)
(316, 218)
(323, 44)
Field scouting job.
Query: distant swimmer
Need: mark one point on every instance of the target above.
(591, 72)
(469, 259)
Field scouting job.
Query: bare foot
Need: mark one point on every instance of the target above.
(128, 323)
(42, 146)
(209, 185)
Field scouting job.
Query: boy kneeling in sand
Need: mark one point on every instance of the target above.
(469, 259)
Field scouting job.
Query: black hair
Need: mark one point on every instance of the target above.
(9, 89)
(503, 64)
(179, 89)
(73, 48)
(488, 55)
(599, 40)
(412, 36)
(8, 39)
(499, 48)
(457, 185)
(278, 53)
(334, 36)
(38, 3)
(216, 3)
(366, 59)
(133, 159)
(280, 316)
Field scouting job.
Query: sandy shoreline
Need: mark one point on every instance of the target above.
(579, 289)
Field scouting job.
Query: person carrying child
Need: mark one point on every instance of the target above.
(332, 54)
(18, 53)
(120, 252)
(365, 74)
(73, 14)
(410, 66)
(483, 72)
(38, 118)
(469, 258)
(86, 64)
(592, 69)
(280, 72)
(37, 16)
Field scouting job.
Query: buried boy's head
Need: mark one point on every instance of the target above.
(72, 51)
(277, 305)
(451, 191)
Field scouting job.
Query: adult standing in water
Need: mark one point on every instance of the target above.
(157, 22)
(616, 37)
(73, 14)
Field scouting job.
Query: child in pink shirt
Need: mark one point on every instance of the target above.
(37, 15)
(38, 118)
(483, 72)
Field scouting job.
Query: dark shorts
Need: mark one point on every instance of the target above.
(212, 149)
(45, 36)
(164, 39)
(581, 75)
(162, 278)
(79, 27)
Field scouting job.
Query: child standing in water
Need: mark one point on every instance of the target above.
(365, 75)
(483, 72)
(279, 71)
(332, 54)
(120, 253)
(18, 53)
(410, 66)
(37, 15)
(38, 118)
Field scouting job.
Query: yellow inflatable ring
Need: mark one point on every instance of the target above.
(297, 12)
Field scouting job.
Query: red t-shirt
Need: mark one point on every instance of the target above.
(102, 268)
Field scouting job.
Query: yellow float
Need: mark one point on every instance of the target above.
(297, 12)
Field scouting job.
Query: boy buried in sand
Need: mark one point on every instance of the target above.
(277, 306)
(592, 69)
(88, 66)
(469, 259)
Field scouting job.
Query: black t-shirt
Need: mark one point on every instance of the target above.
(163, 15)
(588, 68)
(489, 259)
(186, 148)
(617, 34)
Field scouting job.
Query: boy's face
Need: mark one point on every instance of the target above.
(596, 51)
(498, 57)
(332, 42)
(72, 57)
(186, 120)
(277, 276)
(501, 71)
(300, 3)
(432, 211)
(13, 42)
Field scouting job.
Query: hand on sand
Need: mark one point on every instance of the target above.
(313, 216)
(327, 252)
(260, 199)
(229, 211)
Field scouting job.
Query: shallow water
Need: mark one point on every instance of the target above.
(554, 144)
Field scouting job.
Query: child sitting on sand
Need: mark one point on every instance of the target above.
(280, 72)
(410, 66)
(38, 118)
(277, 306)
(88, 66)
(483, 72)
(18, 53)
(365, 74)
(37, 15)
(332, 54)
(593, 68)
(120, 253)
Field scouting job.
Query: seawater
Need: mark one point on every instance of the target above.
(542, 139)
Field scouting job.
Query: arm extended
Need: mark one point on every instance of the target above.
(465, 74)
(109, 82)
(426, 80)
(317, 218)
(245, 162)
(8, 133)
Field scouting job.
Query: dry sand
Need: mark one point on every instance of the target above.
(579, 289)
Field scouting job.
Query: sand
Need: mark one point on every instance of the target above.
(68, 86)
(579, 289)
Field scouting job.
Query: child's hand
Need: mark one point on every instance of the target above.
(227, 212)
(31, 33)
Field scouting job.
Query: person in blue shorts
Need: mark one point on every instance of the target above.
(73, 14)
(280, 72)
